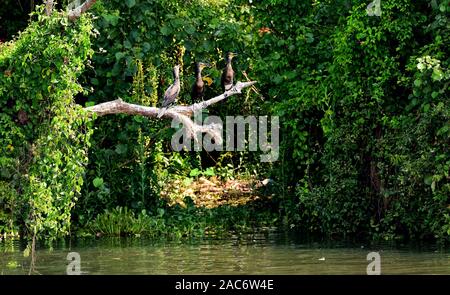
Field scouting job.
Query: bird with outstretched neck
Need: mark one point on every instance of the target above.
(198, 88)
(228, 73)
(171, 94)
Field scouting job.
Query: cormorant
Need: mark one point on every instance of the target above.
(198, 88)
(228, 73)
(172, 92)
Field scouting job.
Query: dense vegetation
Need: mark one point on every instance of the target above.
(363, 101)
(44, 134)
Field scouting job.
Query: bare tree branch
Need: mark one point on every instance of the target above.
(180, 113)
(77, 11)
(236, 89)
(118, 106)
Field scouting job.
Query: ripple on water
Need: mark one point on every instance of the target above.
(259, 254)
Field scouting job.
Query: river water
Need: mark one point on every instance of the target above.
(252, 254)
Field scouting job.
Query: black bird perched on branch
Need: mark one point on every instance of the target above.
(171, 94)
(198, 89)
(228, 73)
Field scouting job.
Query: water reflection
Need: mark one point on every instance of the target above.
(255, 254)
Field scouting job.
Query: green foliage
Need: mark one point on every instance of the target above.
(363, 102)
(44, 138)
(121, 221)
(369, 130)
(137, 46)
(8, 202)
(176, 222)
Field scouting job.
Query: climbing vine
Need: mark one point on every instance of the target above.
(44, 134)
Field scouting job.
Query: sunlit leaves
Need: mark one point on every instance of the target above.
(46, 59)
(97, 182)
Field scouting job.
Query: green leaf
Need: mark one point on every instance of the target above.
(121, 149)
(127, 44)
(166, 31)
(146, 47)
(119, 55)
(444, 130)
(309, 37)
(189, 30)
(417, 82)
(111, 19)
(160, 212)
(95, 81)
(437, 74)
(195, 172)
(278, 79)
(130, 3)
(209, 172)
(421, 66)
(97, 182)
(138, 119)
(27, 250)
